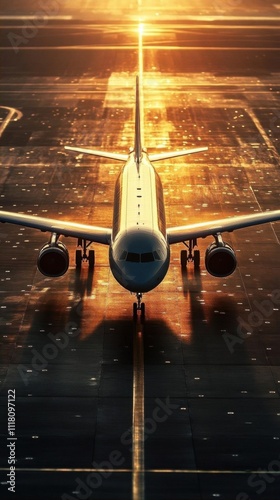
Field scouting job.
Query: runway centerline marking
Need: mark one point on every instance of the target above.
(138, 477)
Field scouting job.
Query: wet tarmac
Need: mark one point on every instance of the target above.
(196, 413)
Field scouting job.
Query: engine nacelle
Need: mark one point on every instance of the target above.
(53, 259)
(220, 259)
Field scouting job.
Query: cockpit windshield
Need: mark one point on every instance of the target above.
(137, 257)
(147, 257)
(133, 257)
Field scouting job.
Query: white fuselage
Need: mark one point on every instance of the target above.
(139, 253)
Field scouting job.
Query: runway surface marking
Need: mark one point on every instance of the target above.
(147, 47)
(154, 471)
(262, 131)
(138, 477)
(35, 18)
(150, 27)
(13, 114)
(183, 18)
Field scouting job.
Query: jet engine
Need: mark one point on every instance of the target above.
(53, 258)
(220, 259)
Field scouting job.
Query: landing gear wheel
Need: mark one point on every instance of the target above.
(78, 259)
(138, 306)
(142, 311)
(184, 258)
(196, 259)
(91, 259)
(135, 309)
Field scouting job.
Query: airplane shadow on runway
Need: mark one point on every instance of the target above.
(215, 317)
(83, 283)
(193, 366)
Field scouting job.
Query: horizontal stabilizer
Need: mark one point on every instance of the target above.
(101, 154)
(174, 154)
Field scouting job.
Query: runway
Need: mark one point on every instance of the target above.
(185, 405)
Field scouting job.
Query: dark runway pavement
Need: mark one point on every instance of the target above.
(211, 347)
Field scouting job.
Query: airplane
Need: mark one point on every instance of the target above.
(139, 240)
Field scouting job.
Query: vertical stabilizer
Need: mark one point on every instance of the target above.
(138, 133)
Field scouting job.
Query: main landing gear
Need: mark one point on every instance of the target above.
(190, 255)
(82, 255)
(138, 306)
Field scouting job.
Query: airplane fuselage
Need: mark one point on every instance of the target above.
(139, 252)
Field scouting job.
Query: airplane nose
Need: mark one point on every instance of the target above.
(143, 277)
(139, 260)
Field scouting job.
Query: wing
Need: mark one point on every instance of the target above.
(65, 228)
(203, 229)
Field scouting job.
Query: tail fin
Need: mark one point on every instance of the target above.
(138, 124)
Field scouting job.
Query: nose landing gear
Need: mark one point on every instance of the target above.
(139, 306)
